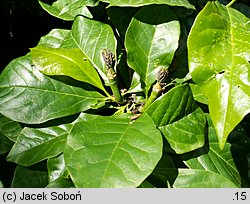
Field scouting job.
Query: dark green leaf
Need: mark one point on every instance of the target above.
(26, 178)
(67, 9)
(69, 62)
(172, 106)
(186, 134)
(151, 40)
(35, 145)
(92, 37)
(219, 51)
(30, 97)
(112, 151)
(5, 144)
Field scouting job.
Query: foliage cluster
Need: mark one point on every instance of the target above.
(142, 93)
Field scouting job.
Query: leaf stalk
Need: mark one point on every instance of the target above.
(231, 3)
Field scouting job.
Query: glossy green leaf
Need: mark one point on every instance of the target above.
(198, 94)
(69, 62)
(214, 169)
(28, 96)
(67, 9)
(219, 51)
(92, 37)
(112, 151)
(61, 183)
(34, 145)
(57, 168)
(9, 128)
(54, 38)
(176, 115)
(184, 3)
(186, 134)
(151, 40)
(172, 106)
(1, 185)
(27, 178)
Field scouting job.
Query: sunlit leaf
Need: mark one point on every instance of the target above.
(28, 96)
(219, 51)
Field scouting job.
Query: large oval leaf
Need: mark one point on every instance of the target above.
(35, 145)
(151, 40)
(92, 37)
(67, 9)
(28, 96)
(219, 51)
(184, 3)
(112, 152)
(69, 62)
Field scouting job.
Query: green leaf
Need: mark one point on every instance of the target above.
(195, 178)
(198, 94)
(164, 173)
(178, 118)
(54, 38)
(92, 37)
(69, 62)
(1, 185)
(28, 96)
(34, 145)
(61, 183)
(151, 40)
(9, 128)
(5, 144)
(27, 178)
(112, 151)
(67, 9)
(186, 134)
(57, 168)
(172, 106)
(124, 3)
(219, 51)
(214, 169)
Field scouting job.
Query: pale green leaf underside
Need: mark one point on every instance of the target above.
(92, 37)
(151, 40)
(69, 62)
(184, 3)
(186, 134)
(112, 152)
(35, 145)
(67, 9)
(219, 44)
(28, 96)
